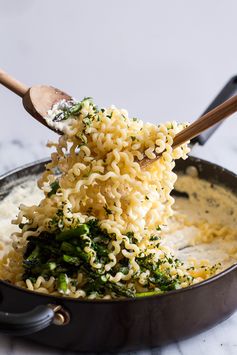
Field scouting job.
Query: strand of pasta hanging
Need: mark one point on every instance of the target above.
(97, 233)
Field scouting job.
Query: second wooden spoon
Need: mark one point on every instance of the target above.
(197, 127)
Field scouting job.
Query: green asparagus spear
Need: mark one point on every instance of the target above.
(148, 293)
(72, 260)
(72, 233)
(34, 256)
(62, 283)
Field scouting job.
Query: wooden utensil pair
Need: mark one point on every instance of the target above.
(38, 100)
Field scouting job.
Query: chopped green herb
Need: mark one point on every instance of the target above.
(154, 237)
(74, 109)
(130, 236)
(107, 210)
(171, 127)
(54, 188)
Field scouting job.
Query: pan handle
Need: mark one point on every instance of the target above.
(33, 321)
(229, 90)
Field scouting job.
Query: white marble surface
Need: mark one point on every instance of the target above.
(159, 59)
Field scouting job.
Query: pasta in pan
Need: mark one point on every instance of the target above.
(98, 231)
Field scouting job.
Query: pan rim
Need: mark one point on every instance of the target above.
(203, 283)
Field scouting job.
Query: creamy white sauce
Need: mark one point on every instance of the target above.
(26, 193)
(207, 204)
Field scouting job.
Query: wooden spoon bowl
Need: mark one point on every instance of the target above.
(37, 100)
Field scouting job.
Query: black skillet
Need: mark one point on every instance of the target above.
(127, 324)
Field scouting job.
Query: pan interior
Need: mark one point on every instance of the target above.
(21, 191)
(201, 232)
(203, 227)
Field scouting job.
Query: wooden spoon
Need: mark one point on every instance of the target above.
(37, 100)
(208, 120)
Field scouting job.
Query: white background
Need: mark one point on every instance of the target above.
(162, 60)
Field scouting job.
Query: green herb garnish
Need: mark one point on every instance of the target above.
(107, 210)
(54, 188)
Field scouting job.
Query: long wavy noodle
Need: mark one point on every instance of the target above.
(96, 168)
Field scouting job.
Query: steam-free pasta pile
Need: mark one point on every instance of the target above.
(99, 230)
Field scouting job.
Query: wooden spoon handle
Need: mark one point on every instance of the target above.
(206, 121)
(12, 84)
